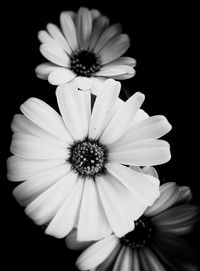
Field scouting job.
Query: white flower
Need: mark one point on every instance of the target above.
(87, 50)
(73, 165)
(154, 244)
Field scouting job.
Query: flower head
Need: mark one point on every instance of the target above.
(74, 165)
(154, 244)
(86, 49)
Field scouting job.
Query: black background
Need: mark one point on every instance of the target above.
(163, 40)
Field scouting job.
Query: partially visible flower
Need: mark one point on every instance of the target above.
(154, 244)
(86, 49)
(74, 165)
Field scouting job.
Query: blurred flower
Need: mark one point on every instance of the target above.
(87, 50)
(154, 244)
(74, 164)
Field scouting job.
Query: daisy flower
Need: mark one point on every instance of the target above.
(73, 164)
(154, 244)
(86, 50)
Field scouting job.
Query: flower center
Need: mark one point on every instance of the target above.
(85, 63)
(88, 158)
(140, 235)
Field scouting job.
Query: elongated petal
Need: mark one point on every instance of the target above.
(123, 60)
(43, 70)
(65, 219)
(185, 194)
(92, 211)
(123, 116)
(103, 103)
(97, 253)
(124, 260)
(75, 109)
(114, 48)
(46, 117)
(152, 260)
(150, 171)
(83, 83)
(115, 70)
(84, 27)
(68, 28)
(73, 244)
(144, 187)
(44, 207)
(144, 153)
(61, 76)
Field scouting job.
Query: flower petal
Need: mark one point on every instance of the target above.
(73, 244)
(144, 187)
(144, 153)
(115, 70)
(124, 261)
(55, 54)
(123, 60)
(124, 116)
(97, 253)
(107, 35)
(27, 191)
(46, 117)
(103, 103)
(84, 27)
(69, 29)
(185, 194)
(150, 171)
(65, 219)
(44, 207)
(83, 83)
(61, 76)
(92, 211)
(114, 48)
(152, 260)
(75, 108)
(58, 37)
(43, 70)
(20, 169)
(168, 196)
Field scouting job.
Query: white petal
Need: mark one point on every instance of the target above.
(73, 244)
(124, 116)
(43, 70)
(147, 129)
(69, 30)
(114, 48)
(55, 54)
(75, 109)
(46, 117)
(97, 253)
(83, 83)
(144, 153)
(58, 37)
(27, 191)
(120, 219)
(150, 171)
(92, 223)
(168, 196)
(125, 261)
(123, 60)
(107, 35)
(103, 106)
(27, 146)
(140, 116)
(97, 84)
(20, 169)
(84, 27)
(144, 187)
(44, 207)
(61, 76)
(21, 124)
(99, 25)
(65, 218)
(95, 13)
(115, 70)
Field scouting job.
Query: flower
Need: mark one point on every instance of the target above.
(73, 165)
(154, 244)
(87, 50)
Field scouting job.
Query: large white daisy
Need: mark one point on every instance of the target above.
(155, 243)
(86, 48)
(73, 165)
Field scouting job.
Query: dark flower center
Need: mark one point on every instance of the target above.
(140, 236)
(88, 158)
(84, 63)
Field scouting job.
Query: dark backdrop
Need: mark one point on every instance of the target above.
(163, 42)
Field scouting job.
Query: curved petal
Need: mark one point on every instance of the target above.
(75, 108)
(46, 117)
(84, 27)
(124, 116)
(97, 253)
(124, 260)
(61, 76)
(73, 244)
(114, 48)
(103, 106)
(123, 60)
(83, 83)
(115, 70)
(69, 29)
(185, 194)
(43, 70)
(150, 171)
